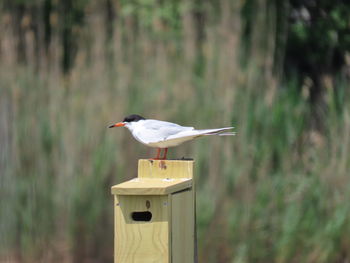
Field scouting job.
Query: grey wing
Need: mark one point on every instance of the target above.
(158, 131)
(196, 133)
(155, 124)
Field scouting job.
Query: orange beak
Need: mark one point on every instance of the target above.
(118, 124)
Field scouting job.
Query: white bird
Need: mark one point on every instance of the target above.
(163, 134)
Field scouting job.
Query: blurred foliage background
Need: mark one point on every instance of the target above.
(279, 71)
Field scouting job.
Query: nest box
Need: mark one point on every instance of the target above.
(155, 214)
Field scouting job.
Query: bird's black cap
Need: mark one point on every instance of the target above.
(133, 117)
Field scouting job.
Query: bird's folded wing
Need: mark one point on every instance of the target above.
(196, 133)
(157, 131)
(157, 125)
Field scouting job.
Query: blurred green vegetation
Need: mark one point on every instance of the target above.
(278, 71)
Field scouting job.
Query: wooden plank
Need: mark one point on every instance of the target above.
(160, 189)
(148, 186)
(140, 242)
(182, 227)
(169, 228)
(165, 168)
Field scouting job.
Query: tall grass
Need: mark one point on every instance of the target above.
(277, 192)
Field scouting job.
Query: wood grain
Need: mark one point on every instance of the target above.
(165, 169)
(182, 227)
(166, 190)
(140, 242)
(148, 186)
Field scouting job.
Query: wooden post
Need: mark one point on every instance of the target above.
(155, 214)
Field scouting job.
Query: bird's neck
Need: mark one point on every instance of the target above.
(133, 125)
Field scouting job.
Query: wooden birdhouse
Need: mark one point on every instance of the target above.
(155, 214)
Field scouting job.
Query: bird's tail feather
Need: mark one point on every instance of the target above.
(227, 134)
(191, 134)
(220, 132)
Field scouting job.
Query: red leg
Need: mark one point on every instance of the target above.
(158, 154)
(165, 152)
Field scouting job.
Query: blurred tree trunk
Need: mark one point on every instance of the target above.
(34, 36)
(18, 13)
(282, 16)
(72, 14)
(47, 11)
(110, 15)
(67, 36)
(110, 19)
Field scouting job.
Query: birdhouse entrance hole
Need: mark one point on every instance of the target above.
(145, 216)
(155, 214)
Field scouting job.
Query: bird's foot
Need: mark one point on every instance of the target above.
(158, 154)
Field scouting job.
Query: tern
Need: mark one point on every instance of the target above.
(163, 134)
